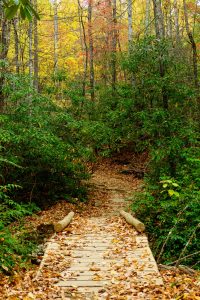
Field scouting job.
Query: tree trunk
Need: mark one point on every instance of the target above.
(16, 38)
(193, 45)
(169, 26)
(4, 46)
(108, 43)
(84, 46)
(114, 47)
(35, 37)
(159, 20)
(30, 36)
(130, 25)
(160, 34)
(176, 21)
(91, 49)
(147, 17)
(55, 6)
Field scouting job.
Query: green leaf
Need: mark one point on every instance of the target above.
(176, 194)
(11, 11)
(9, 162)
(22, 13)
(165, 185)
(28, 14)
(171, 192)
(25, 7)
(175, 184)
(34, 12)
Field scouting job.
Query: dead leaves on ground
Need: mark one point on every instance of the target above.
(124, 279)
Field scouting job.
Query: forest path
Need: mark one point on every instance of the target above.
(100, 256)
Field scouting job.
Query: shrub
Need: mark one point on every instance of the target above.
(35, 134)
(170, 210)
(13, 249)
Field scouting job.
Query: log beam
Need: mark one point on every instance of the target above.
(64, 222)
(139, 226)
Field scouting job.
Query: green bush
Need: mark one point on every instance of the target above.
(171, 213)
(13, 248)
(36, 135)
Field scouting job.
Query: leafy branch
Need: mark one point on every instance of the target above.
(24, 7)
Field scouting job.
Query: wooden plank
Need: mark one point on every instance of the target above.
(87, 268)
(81, 277)
(81, 283)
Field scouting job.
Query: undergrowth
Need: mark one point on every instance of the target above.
(14, 249)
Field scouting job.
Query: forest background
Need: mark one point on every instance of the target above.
(83, 79)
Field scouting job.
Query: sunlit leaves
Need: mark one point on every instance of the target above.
(24, 7)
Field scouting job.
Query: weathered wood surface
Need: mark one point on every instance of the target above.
(139, 226)
(98, 255)
(95, 258)
(64, 223)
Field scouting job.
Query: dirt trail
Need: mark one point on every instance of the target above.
(102, 257)
(99, 256)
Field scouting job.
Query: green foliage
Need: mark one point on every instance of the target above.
(44, 143)
(169, 205)
(13, 249)
(41, 154)
(135, 116)
(171, 213)
(11, 210)
(36, 135)
(25, 8)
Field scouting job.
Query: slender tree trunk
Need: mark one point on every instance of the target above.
(159, 20)
(30, 35)
(160, 34)
(35, 37)
(55, 6)
(108, 42)
(193, 45)
(176, 21)
(84, 46)
(130, 25)
(16, 38)
(169, 25)
(91, 49)
(4, 46)
(114, 46)
(147, 17)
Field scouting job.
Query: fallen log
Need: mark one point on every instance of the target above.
(139, 226)
(64, 222)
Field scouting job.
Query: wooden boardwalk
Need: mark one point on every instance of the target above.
(98, 259)
(101, 256)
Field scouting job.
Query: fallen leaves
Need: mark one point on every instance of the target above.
(94, 268)
(126, 275)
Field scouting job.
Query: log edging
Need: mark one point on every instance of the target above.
(139, 226)
(59, 226)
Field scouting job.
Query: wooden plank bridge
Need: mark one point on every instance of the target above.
(98, 259)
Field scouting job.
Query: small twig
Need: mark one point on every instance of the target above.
(31, 193)
(170, 232)
(188, 242)
(186, 269)
(182, 268)
(196, 264)
(183, 258)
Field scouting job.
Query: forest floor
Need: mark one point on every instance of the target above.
(108, 182)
